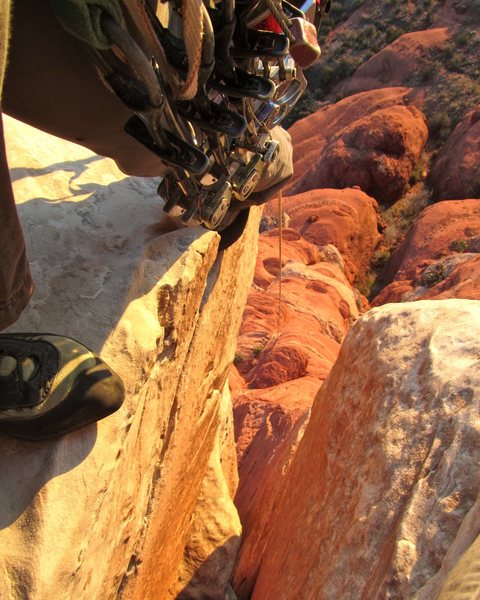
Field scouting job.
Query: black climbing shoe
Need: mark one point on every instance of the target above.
(50, 385)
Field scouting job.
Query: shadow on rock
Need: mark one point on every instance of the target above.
(26, 467)
(211, 579)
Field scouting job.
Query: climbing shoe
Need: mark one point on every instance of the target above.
(50, 385)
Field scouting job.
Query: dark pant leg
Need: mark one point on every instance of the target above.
(15, 282)
(51, 83)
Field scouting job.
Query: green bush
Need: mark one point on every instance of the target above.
(238, 358)
(433, 275)
(474, 187)
(439, 126)
(459, 246)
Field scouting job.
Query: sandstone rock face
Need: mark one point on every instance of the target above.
(311, 134)
(214, 536)
(456, 172)
(285, 351)
(395, 63)
(459, 12)
(439, 256)
(371, 140)
(382, 495)
(117, 509)
(346, 219)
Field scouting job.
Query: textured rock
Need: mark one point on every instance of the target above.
(456, 172)
(439, 256)
(311, 134)
(382, 495)
(346, 219)
(110, 511)
(371, 140)
(214, 536)
(376, 153)
(394, 64)
(294, 248)
(284, 353)
(269, 424)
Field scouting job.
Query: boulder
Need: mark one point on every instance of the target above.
(371, 140)
(376, 153)
(459, 12)
(456, 173)
(438, 257)
(395, 64)
(382, 497)
(346, 219)
(123, 508)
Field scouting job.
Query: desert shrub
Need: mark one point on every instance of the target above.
(439, 126)
(462, 38)
(433, 274)
(459, 246)
(346, 67)
(238, 358)
(416, 175)
(393, 32)
(380, 259)
(474, 188)
(340, 11)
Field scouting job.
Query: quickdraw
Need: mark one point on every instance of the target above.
(205, 101)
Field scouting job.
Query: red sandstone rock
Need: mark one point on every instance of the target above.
(345, 218)
(294, 247)
(458, 277)
(382, 496)
(462, 282)
(394, 64)
(315, 316)
(377, 153)
(269, 425)
(456, 172)
(284, 352)
(437, 241)
(371, 140)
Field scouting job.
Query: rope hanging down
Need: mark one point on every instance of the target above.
(280, 236)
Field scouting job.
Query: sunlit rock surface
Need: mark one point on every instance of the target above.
(395, 63)
(121, 509)
(382, 498)
(346, 219)
(371, 140)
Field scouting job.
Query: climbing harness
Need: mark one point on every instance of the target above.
(205, 89)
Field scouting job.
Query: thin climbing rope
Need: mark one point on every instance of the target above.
(280, 235)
